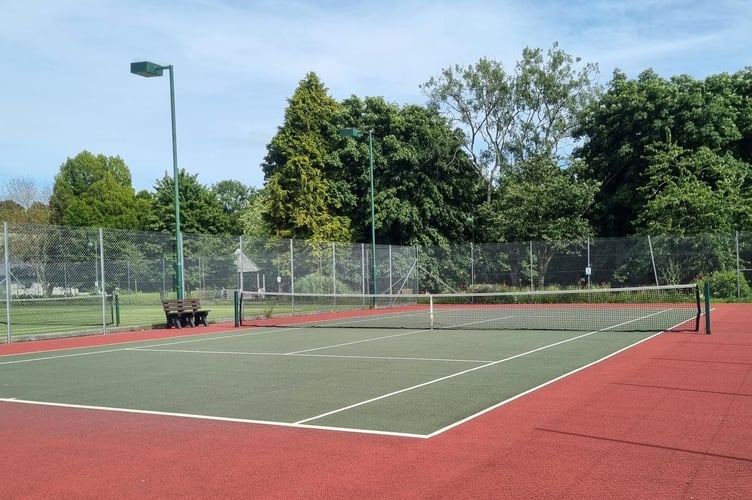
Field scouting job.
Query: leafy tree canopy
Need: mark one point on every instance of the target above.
(252, 218)
(624, 130)
(301, 199)
(234, 197)
(200, 211)
(542, 202)
(692, 192)
(508, 117)
(94, 190)
(425, 186)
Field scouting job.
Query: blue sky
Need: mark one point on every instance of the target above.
(65, 84)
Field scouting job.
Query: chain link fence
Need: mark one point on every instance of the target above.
(71, 281)
(597, 262)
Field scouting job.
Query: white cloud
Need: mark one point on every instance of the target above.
(67, 86)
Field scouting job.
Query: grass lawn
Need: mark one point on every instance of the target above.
(42, 317)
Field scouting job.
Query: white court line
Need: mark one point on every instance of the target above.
(371, 339)
(470, 370)
(213, 418)
(203, 339)
(61, 356)
(360, 341)
(124, 348)
(440, 379)
(303, 423)
(396, 358)
(533, 389)
(94, 346)
(307, 355)
(489, 320)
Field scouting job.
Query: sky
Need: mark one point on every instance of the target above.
(66, 87)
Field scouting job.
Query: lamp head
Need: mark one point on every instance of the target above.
(350, 132)
(146, 68)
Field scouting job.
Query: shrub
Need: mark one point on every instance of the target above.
(315, 283)
(724, 285)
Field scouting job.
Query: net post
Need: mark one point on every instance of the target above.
(236, 306)
(116, 302)
(707, 308)
(430, 310)
(699, 308)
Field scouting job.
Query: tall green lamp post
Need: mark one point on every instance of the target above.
(354, 132)
(148, 70)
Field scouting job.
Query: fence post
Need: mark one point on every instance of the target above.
(7, 279)
(738, 269)
(239, 264)
(362, 269)
(417, 269)
(390, 269)
(589, 269)
(532, 286)
(292, 277)
(652, 259)
(334, 268)
(103, 290)
(472, 267)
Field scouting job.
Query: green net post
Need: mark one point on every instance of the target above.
(116, 300)
(236, 307)
(707, 308)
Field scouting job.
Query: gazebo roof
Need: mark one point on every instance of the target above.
(244, 263)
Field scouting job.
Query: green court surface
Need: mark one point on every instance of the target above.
(408, 382)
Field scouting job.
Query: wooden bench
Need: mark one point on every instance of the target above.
(185, 312)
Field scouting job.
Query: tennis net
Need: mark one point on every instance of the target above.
(658, 308)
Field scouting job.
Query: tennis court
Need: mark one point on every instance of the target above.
(298, 411)
(415, 382)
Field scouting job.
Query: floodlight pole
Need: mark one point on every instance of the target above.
(175, 174)
(149, 69)
(354, 132)
(373, 217)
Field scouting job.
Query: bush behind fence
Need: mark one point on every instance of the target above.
(54, 263)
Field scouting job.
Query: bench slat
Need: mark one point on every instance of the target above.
(183, 312)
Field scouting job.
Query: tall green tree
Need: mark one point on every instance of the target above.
(693, 192)
(301, 200)
(144, 207)
(200, 210)
(425, 186)
(539, 201)
(632, 121)
(233, 196)
(252, 218)
(94, 190)
(509, 117)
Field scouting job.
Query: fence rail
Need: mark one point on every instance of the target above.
(67, 281)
